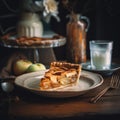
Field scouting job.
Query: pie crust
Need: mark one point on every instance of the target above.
(60, 75)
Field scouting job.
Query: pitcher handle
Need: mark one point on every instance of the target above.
(87, 20)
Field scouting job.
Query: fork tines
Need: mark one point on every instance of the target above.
(115, 80)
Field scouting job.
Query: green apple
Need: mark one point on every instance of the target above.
(36, 67)
(20, 66)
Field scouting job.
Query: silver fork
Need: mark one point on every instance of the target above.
(114, 83)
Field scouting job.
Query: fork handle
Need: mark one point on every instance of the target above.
(99, 95)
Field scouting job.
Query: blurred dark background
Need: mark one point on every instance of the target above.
(104, 18)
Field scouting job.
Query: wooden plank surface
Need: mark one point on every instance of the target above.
(40, 107)
(66, 108)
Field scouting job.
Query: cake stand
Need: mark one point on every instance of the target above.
(42, 52)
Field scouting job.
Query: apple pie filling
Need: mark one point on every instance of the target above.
(60, 74)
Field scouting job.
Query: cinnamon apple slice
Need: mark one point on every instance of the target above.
(60, 75)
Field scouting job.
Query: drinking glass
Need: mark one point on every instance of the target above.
(100, 54)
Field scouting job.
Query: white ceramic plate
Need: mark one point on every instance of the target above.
(88, 81)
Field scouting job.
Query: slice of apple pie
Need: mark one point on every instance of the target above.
(60, 75)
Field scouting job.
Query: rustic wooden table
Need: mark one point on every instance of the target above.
(34, 107)
(31, 106)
